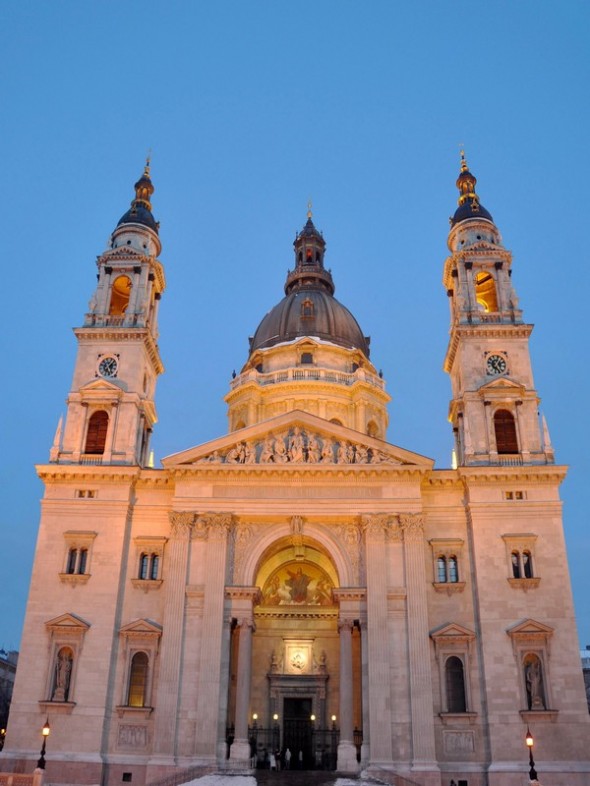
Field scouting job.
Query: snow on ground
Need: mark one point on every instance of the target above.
(223, 780)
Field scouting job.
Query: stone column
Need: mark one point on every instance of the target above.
(214, 661)
(490, 432)
(378, 689)
(240, 750)
(365, 747)
(524, 451)
(346, 750)
(423, 750)
(168, 699)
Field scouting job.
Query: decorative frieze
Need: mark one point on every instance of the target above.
(298, 446)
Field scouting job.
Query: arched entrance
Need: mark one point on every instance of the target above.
(301, 651)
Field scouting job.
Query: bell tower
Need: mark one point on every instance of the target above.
(110, 407)
(494, 409)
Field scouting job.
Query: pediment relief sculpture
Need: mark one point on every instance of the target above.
(298, 446)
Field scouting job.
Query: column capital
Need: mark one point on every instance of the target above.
(215, 526)
(345, 624)
(412, 526)
(376, 525)
(181, 524)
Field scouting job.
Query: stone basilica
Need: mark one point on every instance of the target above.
(300, 583)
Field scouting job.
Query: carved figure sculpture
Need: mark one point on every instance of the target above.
(249, 453)
(296, 446)
(327, 451)
(280, 451)
(268, 450)
(534, 688)
(362, 455)
(63, 671)
(235, 455)
(313, 449)
(343, 453)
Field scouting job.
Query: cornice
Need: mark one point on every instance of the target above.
(541, 474)
(88, 472)
(300, 472)
(102, 334)
(482, 330)
(443, 478)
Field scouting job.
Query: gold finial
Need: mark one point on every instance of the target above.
(148, 161)
(309, 205)
(464, 167)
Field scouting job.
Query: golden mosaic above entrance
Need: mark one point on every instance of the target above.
(298, 584)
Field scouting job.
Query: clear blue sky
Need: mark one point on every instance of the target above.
(249, 109)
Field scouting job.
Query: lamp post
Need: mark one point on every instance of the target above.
(45, 732)
(530, 742)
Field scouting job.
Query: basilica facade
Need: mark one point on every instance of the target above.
(300, 583)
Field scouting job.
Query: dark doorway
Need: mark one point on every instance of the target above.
(297, 732)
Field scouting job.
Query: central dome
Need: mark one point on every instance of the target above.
(310, 311)
(309, 307)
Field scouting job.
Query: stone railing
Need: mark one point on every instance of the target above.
(305, 374)
(114, 320)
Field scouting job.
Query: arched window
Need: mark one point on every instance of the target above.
(505, 428)
(455, 685)
(307, 308)
(121, 292)
(77, 561)
(533, 676)
(485, 291)
(138, 673)
(441, 569)
(372, 429)
(149, 566)
(96, 436)
(154, 567)
(527, 564)
(62, 675)
(72, 560)
(452, 569)
(516, 565)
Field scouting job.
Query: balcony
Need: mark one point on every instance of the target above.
(311, 374)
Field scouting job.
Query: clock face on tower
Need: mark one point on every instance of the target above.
(496, 364)
(108, 367)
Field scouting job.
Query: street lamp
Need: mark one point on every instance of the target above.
(530, 742)
(45, 732)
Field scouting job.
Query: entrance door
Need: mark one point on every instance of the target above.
(297, 731)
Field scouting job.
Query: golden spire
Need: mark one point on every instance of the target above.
(464, 167)
(309, 206)
(148, 161)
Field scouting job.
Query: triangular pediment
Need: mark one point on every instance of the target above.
(141, 627)
(297, 439)
(503, 384)
(451, 631)
(101, 385)
(530, 627)
(67, 622)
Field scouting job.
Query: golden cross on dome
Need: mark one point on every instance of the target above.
(309, 206)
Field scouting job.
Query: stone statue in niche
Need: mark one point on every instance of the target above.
(533, 673)
(63, 673)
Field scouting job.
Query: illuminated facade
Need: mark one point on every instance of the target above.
(300, 582)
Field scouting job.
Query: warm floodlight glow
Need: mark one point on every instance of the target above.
(529, 738)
